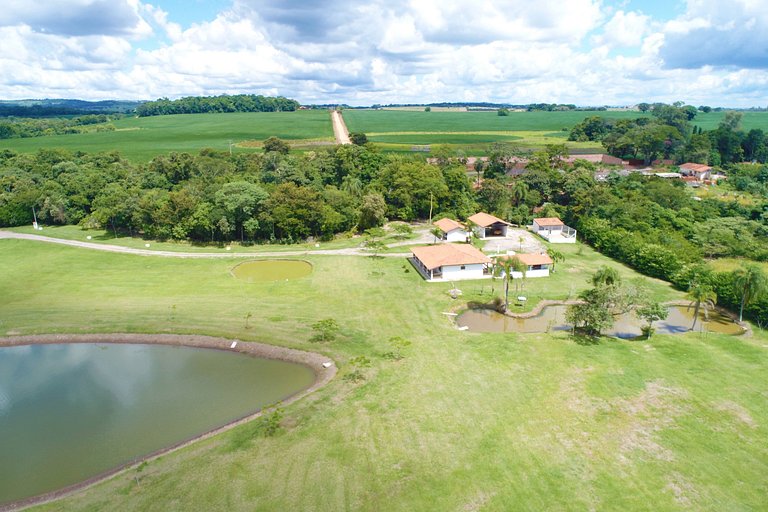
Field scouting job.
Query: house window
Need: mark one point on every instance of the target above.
(536, 267)
(463, 267)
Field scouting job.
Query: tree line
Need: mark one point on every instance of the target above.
(669, 133)
(223, 103)
(217, 197)
(30, 127)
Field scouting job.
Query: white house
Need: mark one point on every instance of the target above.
(451, 262)
(554, 230)
(487, 226)
(699, 171)
(538, 265)
(452, 230)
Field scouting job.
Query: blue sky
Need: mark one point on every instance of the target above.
(587, 52)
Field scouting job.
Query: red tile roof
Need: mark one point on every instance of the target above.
(695, 167)
(484, 220)
(446, 225)
(435, 256)
(548, 221)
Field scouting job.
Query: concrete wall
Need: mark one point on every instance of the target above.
(455, 273)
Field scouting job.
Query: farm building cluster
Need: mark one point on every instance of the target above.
(457, 259)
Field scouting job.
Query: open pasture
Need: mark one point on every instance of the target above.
(142, 138)
(463, 422)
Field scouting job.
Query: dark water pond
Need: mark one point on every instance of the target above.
(71, 411)
(271, 270)
(552, 318)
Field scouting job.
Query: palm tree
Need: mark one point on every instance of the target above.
(520, 192)
(700, 295)
(504, 267)
(352, 185)
(752, 282)
(555, 255)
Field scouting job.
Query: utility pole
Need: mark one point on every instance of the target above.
(230, 147)
(430, 208)
(34, 216)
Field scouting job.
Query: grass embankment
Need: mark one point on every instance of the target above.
(465, 422)
(141, 138)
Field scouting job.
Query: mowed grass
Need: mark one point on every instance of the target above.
(465, 422)
(141, 139)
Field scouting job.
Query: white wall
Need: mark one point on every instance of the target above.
(544, 272)
(457, 235)
(455, 273)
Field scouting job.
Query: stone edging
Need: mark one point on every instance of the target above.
(314, 361)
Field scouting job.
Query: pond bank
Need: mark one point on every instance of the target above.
(315, 362)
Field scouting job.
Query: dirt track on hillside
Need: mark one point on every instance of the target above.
(339, 128)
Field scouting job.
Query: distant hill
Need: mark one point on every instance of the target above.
(64, 107)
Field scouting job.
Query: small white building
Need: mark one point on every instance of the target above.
(488, 226)
(451, 262)
(553, 230)
(699, 171)
(538, 265)
(452, 231)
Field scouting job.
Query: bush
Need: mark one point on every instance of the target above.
(325, 330)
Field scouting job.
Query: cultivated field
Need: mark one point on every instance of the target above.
(472, 132)
(464, 422)
(141, 139)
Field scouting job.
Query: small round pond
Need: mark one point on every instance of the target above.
(258, 271)
(69, 412)
(552, 318)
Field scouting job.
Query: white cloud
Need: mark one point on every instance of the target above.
(389, 51)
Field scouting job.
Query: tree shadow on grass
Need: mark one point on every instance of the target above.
(585, 340)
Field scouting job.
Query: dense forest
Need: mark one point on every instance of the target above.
(64, 107)
(670, 133)
(223, 103)
(31, 127)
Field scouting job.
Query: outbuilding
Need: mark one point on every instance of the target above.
(488, 226)
(451, 262)
(554, 230)
(452, 231)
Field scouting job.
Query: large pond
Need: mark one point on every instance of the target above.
(69, 412)
(271, 270)
(552, 318)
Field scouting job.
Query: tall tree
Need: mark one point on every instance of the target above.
(751, 282)
(700, 294)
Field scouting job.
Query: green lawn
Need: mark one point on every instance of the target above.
(465, 422)
(141, 139)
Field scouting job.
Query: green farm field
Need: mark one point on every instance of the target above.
(472, 132)
(141, 139)
(465, 421)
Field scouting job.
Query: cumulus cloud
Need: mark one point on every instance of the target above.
(379, 51)
(715, 33)
(76, 17)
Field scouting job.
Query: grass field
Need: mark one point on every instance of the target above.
(472, 132)
(464, 422)
(141, 139)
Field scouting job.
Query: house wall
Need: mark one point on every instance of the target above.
(455, 272)
(457, 235)
(544, 272)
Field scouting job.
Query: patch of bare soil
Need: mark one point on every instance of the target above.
(684, 492)
(737, 411)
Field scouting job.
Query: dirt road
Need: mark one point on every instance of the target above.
(352, 251)
(339, 128)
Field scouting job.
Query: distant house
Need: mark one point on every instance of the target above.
(452, 231)
(451, 262)
(538, 264)
(553, 230)
(488, 226)
(699, 171)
